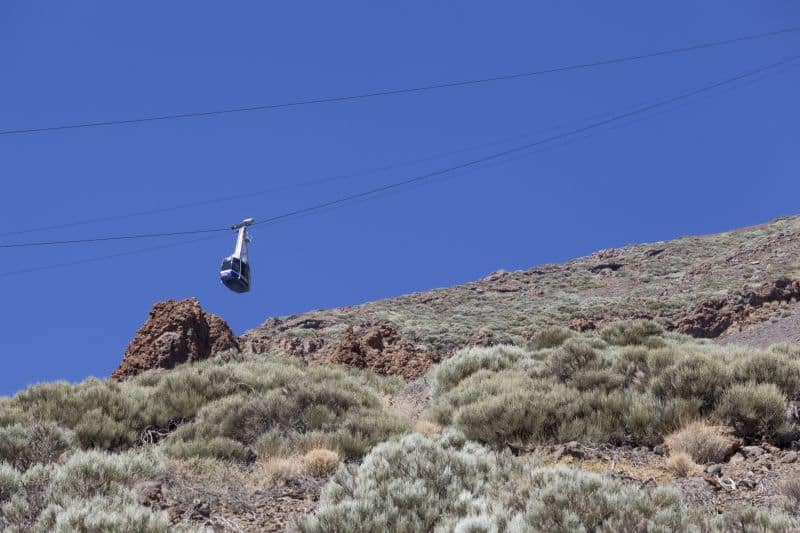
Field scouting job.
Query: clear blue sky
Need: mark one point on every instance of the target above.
(718, 162)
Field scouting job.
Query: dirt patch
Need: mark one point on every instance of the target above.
(227, 503)
(784, 326)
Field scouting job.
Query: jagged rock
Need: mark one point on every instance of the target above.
(482, 338)
(753, 451)
(175, 332)
(713, 318)
(382, 349)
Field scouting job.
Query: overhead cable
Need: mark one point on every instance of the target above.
(423, 177)
(406, 90)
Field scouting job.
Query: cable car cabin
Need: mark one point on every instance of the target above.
(235, 274)
(235, 269)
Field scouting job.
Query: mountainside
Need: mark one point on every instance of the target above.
(647, 388)
(708, 286)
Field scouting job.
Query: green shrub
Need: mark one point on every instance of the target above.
(10, 482)
(470, 360)
(93, 473)
(765, 367)
(552, 337)
(213, 447)
(213, 408)
(563, 499)
(119, 514)
(751, 520)
(636, 389)
(406, 486)
(573, 356)
(753, 410)
(633, 333)
(516, 416)
(480, 385)
(99, 430)
(696, 376)
(605, 380)
(324, 405)
(447, 484)
(25, 444)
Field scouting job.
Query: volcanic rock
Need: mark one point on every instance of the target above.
(382, 349)
(176, 332)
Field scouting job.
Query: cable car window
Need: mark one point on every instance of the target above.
(226, 264)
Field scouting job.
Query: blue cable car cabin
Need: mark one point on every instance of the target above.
(235, 269)
(235, 274)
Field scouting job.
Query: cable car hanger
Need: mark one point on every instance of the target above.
(235, 270)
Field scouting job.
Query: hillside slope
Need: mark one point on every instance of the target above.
(625, 426)
(708, 286)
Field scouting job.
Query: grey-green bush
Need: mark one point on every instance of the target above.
(26, 444)
(635, 385)
(753, 410)
(119, 514)
(407, 486)
(447, 484)
(470, 360)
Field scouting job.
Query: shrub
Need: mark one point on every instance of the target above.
(696, 376)
(563, 499)
(445, 484)
(517, 416)
(550, 338)
(466, 362)
(321, 462)
(480, 385)
(703, 443)
(429, 429)
(405, 486)
(765, 367)
(682, 465)
(25, 444)
(790, 489)
(632, 333)
(749, 519)
(290, 409)
(276, 470)
(118, 514)
(92, 473)
(10, 482)
(572, 357)
(753, 410)
(214, 447)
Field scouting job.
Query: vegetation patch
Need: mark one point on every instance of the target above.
(631, 383)
(450, 484)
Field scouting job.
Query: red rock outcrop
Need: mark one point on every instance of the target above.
(382, 349)
(176, 332)
(713, 318)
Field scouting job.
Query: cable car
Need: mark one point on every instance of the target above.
(235, 269)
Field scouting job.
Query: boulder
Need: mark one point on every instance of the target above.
(176, 332)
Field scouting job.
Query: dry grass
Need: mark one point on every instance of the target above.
(429, 429)
(682, 465)
(643, 472)
(321, 462)
(703, 443)
(791, 491)
(277, 470)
